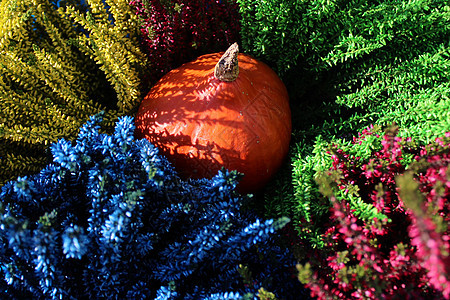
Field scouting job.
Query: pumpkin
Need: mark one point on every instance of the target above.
(221, 110)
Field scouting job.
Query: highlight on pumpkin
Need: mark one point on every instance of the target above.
(203, 124)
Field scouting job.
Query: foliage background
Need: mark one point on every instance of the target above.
(347, 65)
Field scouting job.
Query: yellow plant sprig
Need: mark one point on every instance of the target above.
(13, 17)
(18, 164)
(118, 57)
(53, 75)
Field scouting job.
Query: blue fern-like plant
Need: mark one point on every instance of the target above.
(109, 218)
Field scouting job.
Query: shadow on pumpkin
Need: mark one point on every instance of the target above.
(201, 160)
(201, 123)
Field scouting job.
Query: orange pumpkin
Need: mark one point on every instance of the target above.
(213, 113)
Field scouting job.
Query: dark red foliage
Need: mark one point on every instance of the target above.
(404, 256)
(177, 31)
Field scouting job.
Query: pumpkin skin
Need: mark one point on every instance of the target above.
(202, 124)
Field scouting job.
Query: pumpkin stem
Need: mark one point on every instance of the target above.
(227, 69)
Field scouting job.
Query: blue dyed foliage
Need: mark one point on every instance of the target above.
(110, 219)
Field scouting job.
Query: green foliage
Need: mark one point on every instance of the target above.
(59, 65)
(321, 34)
(402, 93)
(349, 64)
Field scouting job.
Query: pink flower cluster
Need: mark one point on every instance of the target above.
(177, 31)
(429, 230)
(406, 254)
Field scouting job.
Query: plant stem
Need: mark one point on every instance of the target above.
(227, 69)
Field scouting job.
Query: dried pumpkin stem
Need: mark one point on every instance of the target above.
(227, 69)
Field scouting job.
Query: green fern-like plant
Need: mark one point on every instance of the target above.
(320, 35)
(402, 93)
(61, 62)
(349, 64)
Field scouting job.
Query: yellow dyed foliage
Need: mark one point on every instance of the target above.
(59, 65)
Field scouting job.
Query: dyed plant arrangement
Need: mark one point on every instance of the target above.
(387, 234)
(110, 218)
(178, 31)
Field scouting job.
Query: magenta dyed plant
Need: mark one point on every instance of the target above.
(387, 235)
(429, 212)
(177, 31)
